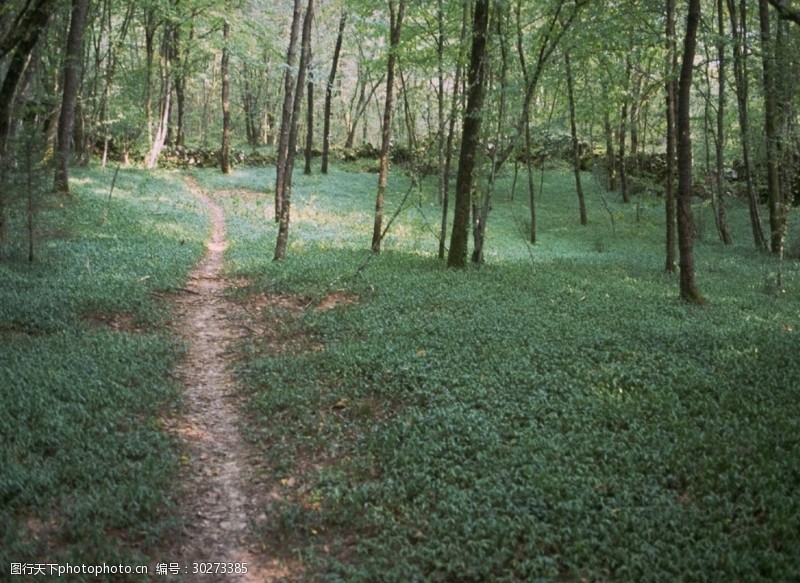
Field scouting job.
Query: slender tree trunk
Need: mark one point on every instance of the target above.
(777, 214)
(326, 116)
(72, 64)
(527, 131)
(470, 135)
(160, 136)
(448, 156)
(722, 222)
(611, 158)
(576, 153)
(286, 196)
(481, 215)
(396, 23)
(739, 32)
(289, 86)
(671, 95)
(688, 287)
(226, 102)
(623, 122)
(309, 125)
(150, 26)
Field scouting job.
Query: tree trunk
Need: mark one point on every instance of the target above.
(688, 288)
(72, 64)
(160, 136)
(326, 116)
(739, 33)
(286, 195)
(448, 154)
(527, 130)
(457, 256)
(396, 23)
(289, 86)
(777, 214)
(150, 26)
(671, 95)
(226, 102)
(481, 216)
(611, 158)
(719, 211)
(21, 47)
(309, 125)
(623, 122)
(576, 153)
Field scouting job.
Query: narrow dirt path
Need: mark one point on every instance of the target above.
(220, 506)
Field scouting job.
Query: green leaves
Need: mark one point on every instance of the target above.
(562, 419)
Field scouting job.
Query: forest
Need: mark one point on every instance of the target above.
(400, 290)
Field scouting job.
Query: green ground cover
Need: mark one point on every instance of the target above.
(87, 472)
(557, 414)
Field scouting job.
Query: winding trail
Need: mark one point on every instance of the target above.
(220, 505)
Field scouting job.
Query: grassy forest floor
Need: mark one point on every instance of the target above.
(556, 414)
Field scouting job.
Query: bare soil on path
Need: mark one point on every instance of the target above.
(221, 503)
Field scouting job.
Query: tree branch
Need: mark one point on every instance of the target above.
(785, 12)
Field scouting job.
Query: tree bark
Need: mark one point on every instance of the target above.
(289, 86)
(719, 210)
(777, 214)
(326, 116)
(576, 154)
(448, 153)
(160, 136)
(226, 102)
(309, 125)
(396, 23)
(72, 63)
(286, 195)
(623, 122)
(671, 95)
(476, 80)
(32, 24)
(739, 33)
(785, 11)
(688, 287)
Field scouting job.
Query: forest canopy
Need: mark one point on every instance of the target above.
(680, 100)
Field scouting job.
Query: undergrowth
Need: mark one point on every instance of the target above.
(557, 414)
(87, 470)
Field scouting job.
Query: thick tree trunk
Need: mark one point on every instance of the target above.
(326, 116)
(688, 287)
(576, 153)
(286, 195)
(476, 78)
(72, 64)
(21, 47)
(396, 17)
(226, 102)
(289, 86)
